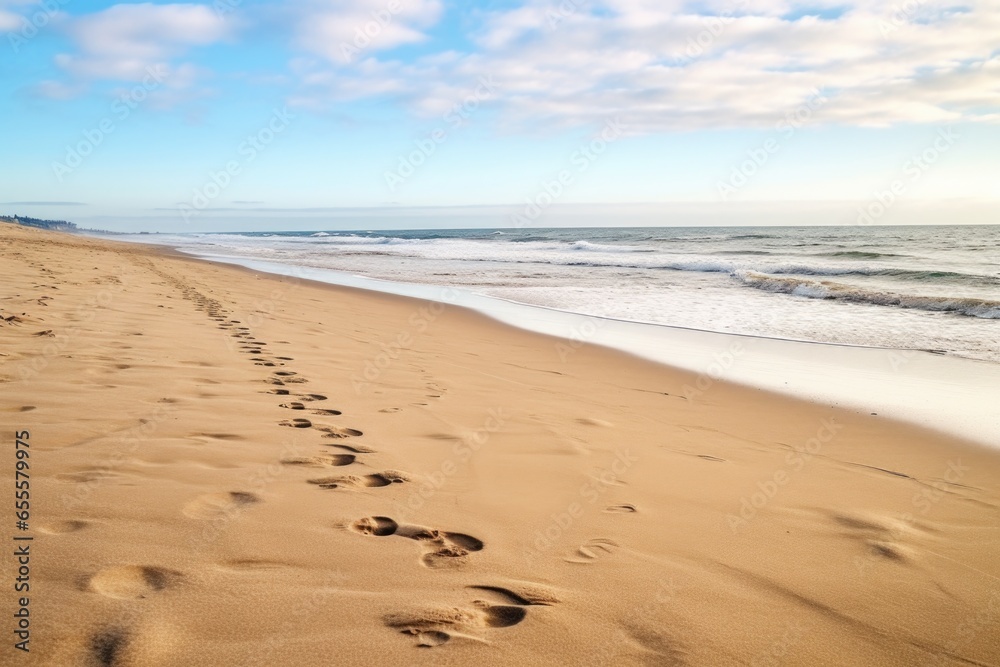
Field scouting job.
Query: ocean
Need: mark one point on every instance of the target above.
(934, 288)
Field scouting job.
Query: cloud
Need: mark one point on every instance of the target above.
(340, 31)
(666, 65)
(10, 21)
(129, 43)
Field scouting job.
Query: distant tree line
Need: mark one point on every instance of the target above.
(58, 225)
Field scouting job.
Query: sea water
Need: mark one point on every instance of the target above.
(933, 288)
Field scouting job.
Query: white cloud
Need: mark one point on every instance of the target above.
(127, 42)
(661, 65)
(341, 30)
(10, 21)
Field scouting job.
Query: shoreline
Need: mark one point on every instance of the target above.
(210, 485)
(796, 368)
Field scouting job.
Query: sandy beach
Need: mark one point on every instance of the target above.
(231, 468)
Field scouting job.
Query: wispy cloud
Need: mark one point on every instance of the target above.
(344, 31)
(129, 43)
(674, 66)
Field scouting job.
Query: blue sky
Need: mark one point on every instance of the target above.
(238, 114)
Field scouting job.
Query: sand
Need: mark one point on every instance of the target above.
(237, 469)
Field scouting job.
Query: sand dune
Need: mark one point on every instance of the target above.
(237, 469)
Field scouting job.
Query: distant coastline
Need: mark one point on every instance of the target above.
(51, 225)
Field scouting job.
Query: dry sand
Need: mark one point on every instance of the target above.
(239, 469)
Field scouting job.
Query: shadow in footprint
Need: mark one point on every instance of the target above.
(334, 460)
(339, 432)
(435, 626)
(215, 505)
(378, 479)
(106, 646)
(624, 508)
(357, 449)
(593, 550)
(442, 548)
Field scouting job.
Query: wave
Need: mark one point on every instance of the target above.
(743, 252)
(536, 249)
(828, 290)
(859, 254)
(599, 247)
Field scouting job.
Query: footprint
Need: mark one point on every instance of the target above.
(296, 423)
(215, 505)
(312, 397)
(443, 549)
(250, 565)
(384, 478)
(357, 449)
(339, 432)
(321, 461)
(62, 527)
(380, 526)
(132, 582)
(592, 550)
(328, 413)
(880, 537)
(85, 476)
(293, 406)
(624, 508)
(526, 594)
(435, 626)
(285, 377)
(107, 646)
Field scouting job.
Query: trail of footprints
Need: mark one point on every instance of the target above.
(439, 548)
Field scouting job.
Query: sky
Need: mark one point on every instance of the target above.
(359, 114)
